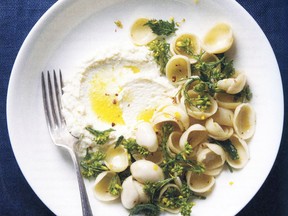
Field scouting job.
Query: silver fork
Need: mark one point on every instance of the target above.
(51, 92)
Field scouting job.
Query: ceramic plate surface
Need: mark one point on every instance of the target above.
(72, 31)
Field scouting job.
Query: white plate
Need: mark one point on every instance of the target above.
(71, 31)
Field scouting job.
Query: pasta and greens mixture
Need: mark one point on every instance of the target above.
(175, 158)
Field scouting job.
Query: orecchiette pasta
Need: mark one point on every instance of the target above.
(218, 39)
(194, 135)
(186, 44)
(199, 183)
(243, 152)
(101, 185)
(117, 159)
(227, 101)
(173, 143)
(140, 33)
(178, 68)
(168, 189)
(232, 85)
(217, 131)
(224, 116)
(139, 171)
(213, 158)
(131, 194)
(146, 136)
(244, 121)
(190, 137)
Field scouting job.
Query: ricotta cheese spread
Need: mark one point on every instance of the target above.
(118, 88)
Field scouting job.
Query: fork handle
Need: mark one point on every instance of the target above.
(86, 208)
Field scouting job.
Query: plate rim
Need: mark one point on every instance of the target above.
(39, 25)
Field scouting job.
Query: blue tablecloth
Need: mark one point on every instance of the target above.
(17, 17)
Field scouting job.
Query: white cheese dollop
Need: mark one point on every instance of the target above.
(121, 86)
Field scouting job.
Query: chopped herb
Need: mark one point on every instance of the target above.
(161, 27)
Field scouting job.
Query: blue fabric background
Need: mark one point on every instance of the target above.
(17, 17)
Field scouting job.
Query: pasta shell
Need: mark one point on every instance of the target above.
(242, 150)
(101, 186)
(227, 101)
(146, 136)
(117, 159)
(178, 112)
(194, 135)
(146, 171)
(163, 118)
(193, 100)
(199, 183)
(129, 195)
(232, 85)
(169, 188)
(212, 157)
(244, 121)
(218, 39)
(218, 132)
(214, 172)
(155, 157)
(140, 33)
(173, 143)
(143, 197)
(178, 69)
(186, 44)
(224, 117)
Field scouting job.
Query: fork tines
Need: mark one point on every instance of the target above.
(52, 92)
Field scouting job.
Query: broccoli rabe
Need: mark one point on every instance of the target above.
(131, 146)
(161, 52)
(115, 187)
(100, 137)
(93, 164)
